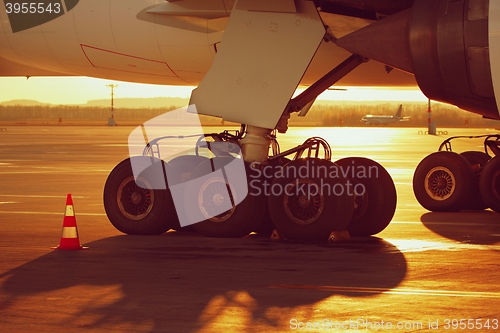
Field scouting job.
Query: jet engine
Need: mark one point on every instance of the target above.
(445, 44)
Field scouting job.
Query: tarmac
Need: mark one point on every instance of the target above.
(426, 272)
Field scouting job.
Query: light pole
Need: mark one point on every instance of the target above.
(111, 121)
(431, 126)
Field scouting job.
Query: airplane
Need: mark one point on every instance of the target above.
(384, 119)
(247, 58)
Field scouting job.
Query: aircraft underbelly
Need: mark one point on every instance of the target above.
(118, 40)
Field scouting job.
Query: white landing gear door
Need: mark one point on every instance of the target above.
(261, 59)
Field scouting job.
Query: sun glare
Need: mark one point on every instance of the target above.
(78, 90)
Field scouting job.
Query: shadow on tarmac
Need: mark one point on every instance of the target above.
(182, 281)
(475, 227)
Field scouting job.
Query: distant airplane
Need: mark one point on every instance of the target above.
(383, 119)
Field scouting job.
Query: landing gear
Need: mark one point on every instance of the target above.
(442, 181)
(374, 196)
(305, 198)
(215, 199)
(132, 205)
(447, 182)
(309, 205)
(490, 184)
(184, 166)
(477, 160)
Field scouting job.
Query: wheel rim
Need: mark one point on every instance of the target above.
(135, 202)
(440, 183)
(303, 208)
(212, 195)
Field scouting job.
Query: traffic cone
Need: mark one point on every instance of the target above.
(276, 235)
(69, 235)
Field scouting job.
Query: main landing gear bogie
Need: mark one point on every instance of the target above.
(304, 198)
(446, 181)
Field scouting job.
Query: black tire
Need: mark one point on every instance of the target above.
(266, 225)
(442, 182)
(375, 206)
(184, 166)
(306, 215)
(239, 220)
(476, 157)
(132, 206)
(478, 160)
(490, 184)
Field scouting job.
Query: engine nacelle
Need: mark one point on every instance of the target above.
(445, 44)
(450, 53)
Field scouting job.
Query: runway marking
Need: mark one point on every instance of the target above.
(447, 223)
(36, 172)
(67, 171)
(38, 196)
(459, 223)
(394, 291)
(49, 213)
(412, 245)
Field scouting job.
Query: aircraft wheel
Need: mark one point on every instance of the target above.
(442, 182)
(184, 166)
(133, 206)
(306, 203)
(490, 184)
(374, 195)
(266, 225)
(208, 196)
(477, 160)
(476, 157)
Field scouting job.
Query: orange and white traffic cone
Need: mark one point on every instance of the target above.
(69, 235)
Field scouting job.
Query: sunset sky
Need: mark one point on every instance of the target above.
(78, 90)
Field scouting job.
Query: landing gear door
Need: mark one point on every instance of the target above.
(261, 59)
